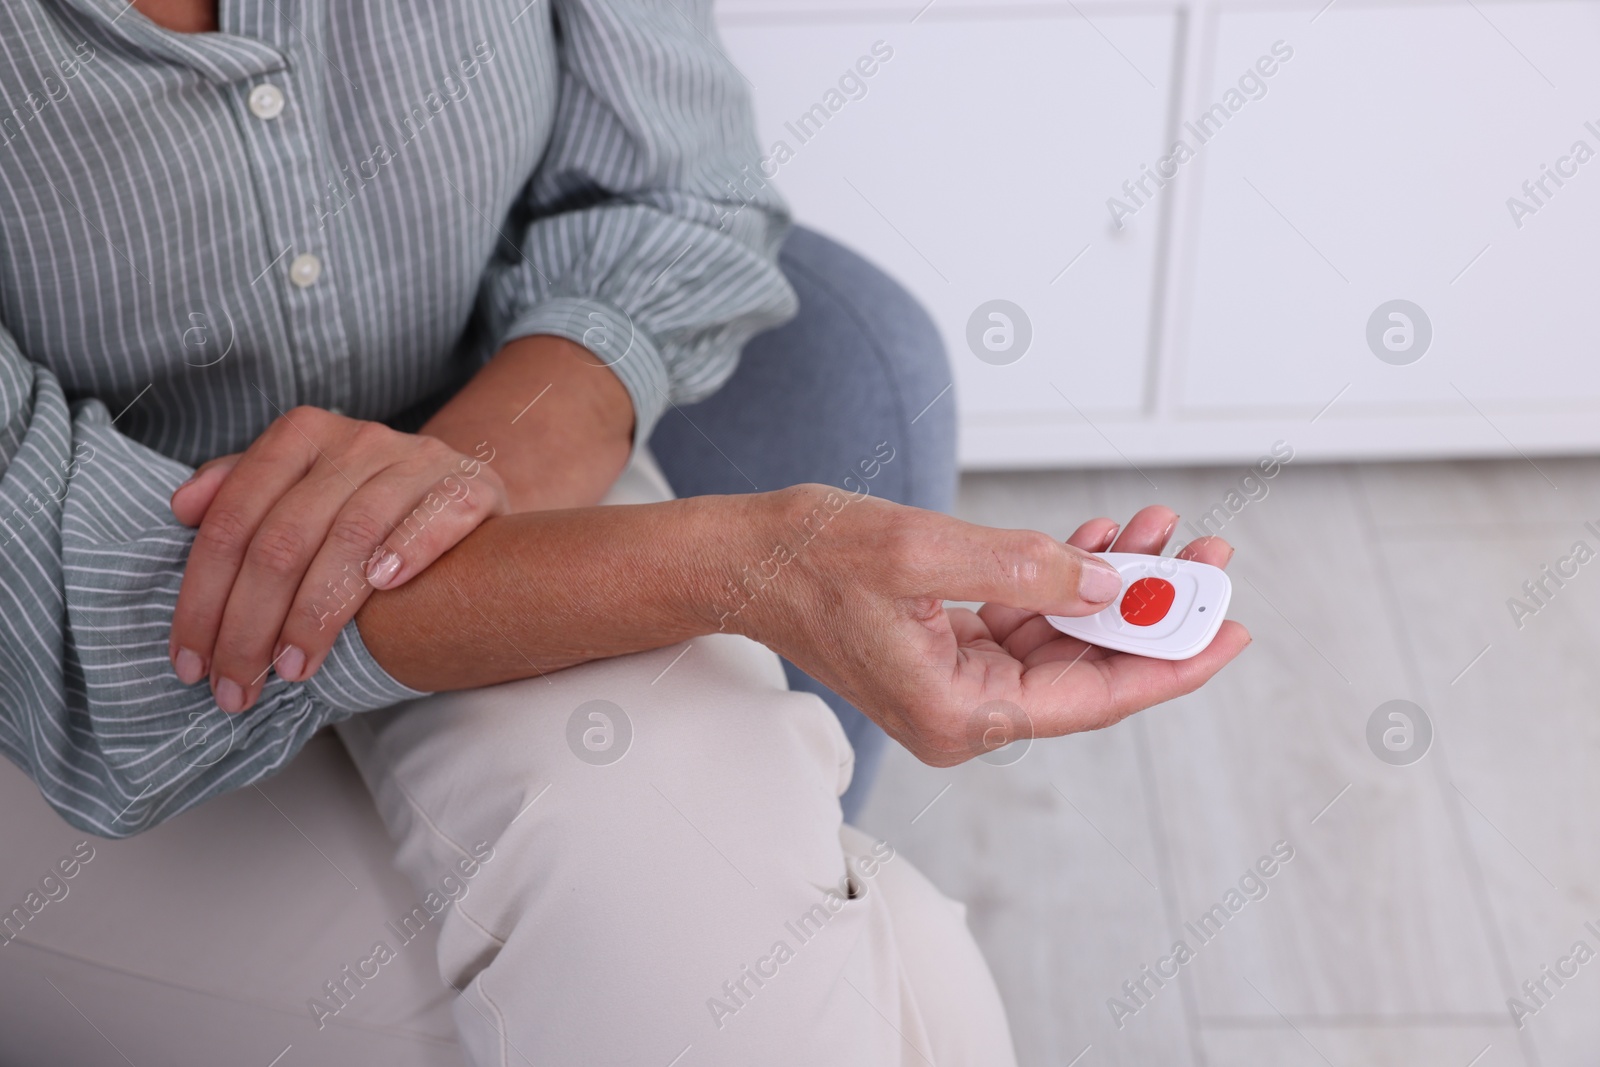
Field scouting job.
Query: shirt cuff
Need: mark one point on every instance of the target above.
(351, 681)
(610, 335)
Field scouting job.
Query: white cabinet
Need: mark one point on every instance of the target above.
(977, 162)
(974, 167)
(1379, 167)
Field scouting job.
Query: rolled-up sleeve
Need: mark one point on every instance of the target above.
(90, 564)
(648, 233)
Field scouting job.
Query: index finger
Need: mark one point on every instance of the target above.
(193, 498)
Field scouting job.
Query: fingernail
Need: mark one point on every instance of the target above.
(190, 667)
(1098, 581)
(1110, 538)
(384, 566)
(291, 663)
(230, 697)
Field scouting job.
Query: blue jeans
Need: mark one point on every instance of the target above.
(860, 364)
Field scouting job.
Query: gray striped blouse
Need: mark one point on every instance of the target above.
(345, 203)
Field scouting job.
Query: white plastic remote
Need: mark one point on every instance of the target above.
(1169, 608)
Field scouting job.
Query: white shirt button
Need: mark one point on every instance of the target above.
(305, 270)
(266, 101)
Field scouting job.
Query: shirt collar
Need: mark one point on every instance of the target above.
(223, 57)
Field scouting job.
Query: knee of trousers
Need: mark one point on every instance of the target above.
(637, 831)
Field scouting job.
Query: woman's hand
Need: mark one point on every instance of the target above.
(860, 606)
(850, 588)
(296, 532)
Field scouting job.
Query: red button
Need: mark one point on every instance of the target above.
(1147, 601)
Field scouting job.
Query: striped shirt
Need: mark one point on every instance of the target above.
(343, 203)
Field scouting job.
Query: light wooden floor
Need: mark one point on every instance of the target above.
(1419, 897)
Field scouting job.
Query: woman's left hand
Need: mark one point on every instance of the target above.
(295, 533)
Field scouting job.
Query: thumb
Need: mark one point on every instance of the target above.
(1018, 568)
(193, 498)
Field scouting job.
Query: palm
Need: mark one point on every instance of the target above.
(1061, 684)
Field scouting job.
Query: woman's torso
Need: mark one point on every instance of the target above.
(212, 229)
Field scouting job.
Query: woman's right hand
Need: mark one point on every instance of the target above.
(851, 589)
(860, 605)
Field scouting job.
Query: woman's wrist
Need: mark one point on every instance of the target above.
(556, 420)
(766, 588)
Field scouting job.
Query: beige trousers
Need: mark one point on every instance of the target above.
(641, 861)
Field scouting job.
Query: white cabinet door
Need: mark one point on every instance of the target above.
(1378, 167)
(974, 165)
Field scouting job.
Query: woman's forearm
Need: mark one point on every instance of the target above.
(849, 588)
(532, 593)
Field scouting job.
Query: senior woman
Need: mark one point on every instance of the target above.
(414, 285)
